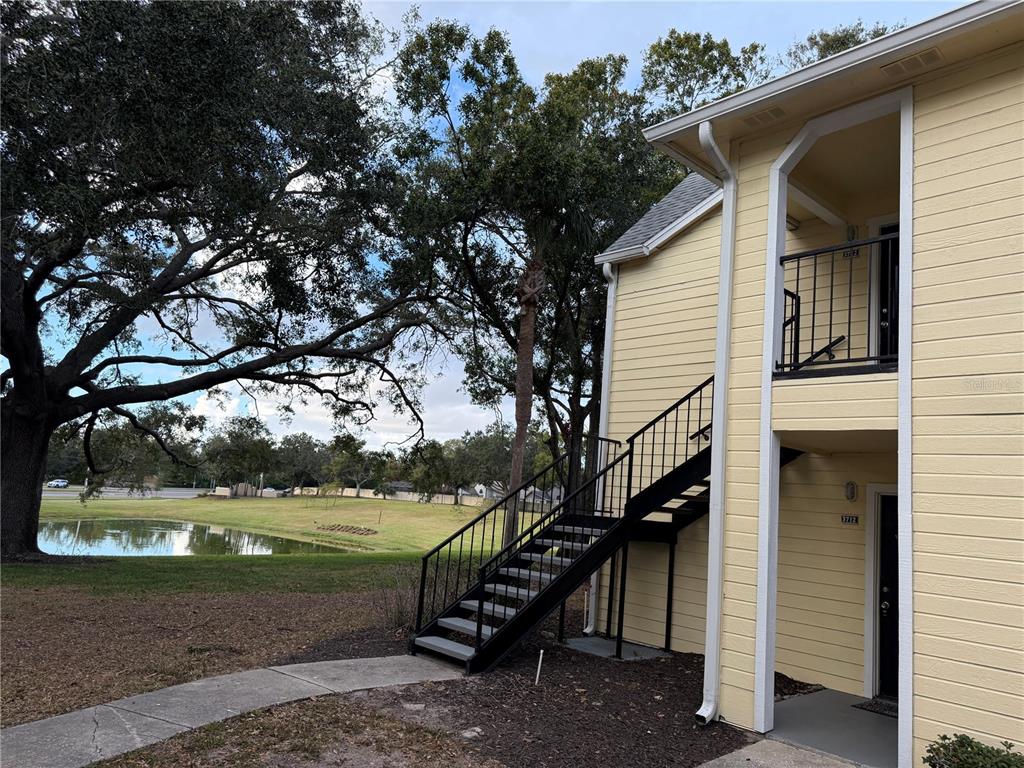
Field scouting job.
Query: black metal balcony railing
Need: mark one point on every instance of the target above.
(840, 309)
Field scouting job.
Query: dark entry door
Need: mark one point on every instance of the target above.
(888, 599)
(888, 292)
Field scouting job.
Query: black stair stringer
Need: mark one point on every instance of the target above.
(667, 488)
(550, 596)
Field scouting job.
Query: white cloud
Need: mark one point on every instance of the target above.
(447, 412)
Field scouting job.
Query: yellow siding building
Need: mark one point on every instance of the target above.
(847, 260)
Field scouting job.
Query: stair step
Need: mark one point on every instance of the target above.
(541, 557)
(580, 545)
(526, 573)
(489, 609)
(579, 530)
(446, 647)
(509, 591)
(465, 626)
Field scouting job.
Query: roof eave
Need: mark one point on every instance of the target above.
(863, 55)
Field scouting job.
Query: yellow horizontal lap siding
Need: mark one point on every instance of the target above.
(820, 618)
(967, 389)
(840, 403)
(663, 345)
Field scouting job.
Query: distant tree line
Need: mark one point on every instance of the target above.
(243, 450)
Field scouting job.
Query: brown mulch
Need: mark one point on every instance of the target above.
(63, 649)
(586, 711)
(356, 530)
(786, 687)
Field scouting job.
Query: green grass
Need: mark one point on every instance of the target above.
(220, 573)
(401, 526)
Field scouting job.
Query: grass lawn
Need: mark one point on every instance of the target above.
(401, 526)
(85, 631)
(211, 574)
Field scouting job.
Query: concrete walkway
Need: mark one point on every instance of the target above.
(96, 733)
(775, 754)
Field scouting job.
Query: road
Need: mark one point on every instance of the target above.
(72, 491)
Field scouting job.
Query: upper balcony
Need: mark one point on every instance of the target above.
(840, 267)
(840, 308)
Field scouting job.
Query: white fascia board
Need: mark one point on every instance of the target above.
(660, 238)
(864, 55)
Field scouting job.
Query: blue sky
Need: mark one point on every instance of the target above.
(553, 37)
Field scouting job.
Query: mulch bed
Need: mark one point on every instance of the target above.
(63, 649)
(786, 687)
(356, 530)
(586, 711)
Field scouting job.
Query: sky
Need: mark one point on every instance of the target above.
(553, 37)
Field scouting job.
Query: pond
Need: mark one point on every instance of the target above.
(162, 537)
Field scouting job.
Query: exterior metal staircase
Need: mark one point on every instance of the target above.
(478, 598)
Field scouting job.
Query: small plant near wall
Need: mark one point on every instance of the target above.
(961, 751)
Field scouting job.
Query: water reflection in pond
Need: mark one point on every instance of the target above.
(162, 537)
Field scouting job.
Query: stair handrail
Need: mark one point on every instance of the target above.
(561, 466)
(674, 406)
(563, 509)
(558, 510)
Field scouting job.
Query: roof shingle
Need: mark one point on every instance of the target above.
(687, 195)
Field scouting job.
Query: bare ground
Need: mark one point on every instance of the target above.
(586, 711)
(64, 648)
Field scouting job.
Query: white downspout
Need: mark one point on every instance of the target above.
(708, 711)
(611, 276)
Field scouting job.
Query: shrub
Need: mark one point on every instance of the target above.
(961, 751)
(396, 598)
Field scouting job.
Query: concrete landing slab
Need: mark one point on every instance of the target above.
(79, 738)
(826, 721)
(218, 698)
(775, 754)
(605, 647)
(357, 674)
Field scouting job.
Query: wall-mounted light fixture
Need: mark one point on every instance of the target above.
(850, 491)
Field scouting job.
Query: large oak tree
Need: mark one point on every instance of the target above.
(193, 194)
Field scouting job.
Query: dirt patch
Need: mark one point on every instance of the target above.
(63, 649)
(353, 529)
(329, 731)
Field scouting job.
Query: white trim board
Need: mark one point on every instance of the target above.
(659, 239)
(874, 493)
(611, 276)
(900, 101)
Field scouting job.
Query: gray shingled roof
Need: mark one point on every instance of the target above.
(687, 195)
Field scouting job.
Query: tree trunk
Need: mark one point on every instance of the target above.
(24, 442)
(529, 293)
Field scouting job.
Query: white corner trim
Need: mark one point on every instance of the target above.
(716, 515)
(611, 276)
(817, 206)
(874, 53)
(768, 446)
(905, 526)
(873, 494)
(663, 236)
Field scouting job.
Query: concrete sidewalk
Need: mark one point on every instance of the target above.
(775, 754)
(96, 733)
